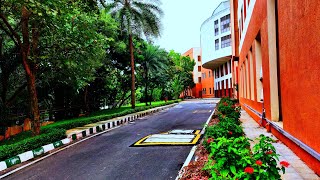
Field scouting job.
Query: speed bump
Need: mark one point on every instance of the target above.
(175, 137)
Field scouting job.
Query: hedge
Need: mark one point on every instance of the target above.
(72, 123)
(8, 151)
(57, 131)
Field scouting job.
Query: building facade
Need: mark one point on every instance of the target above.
(276, 69)
(202, 77)
(216, 49)
(207, 82)
(195, 54)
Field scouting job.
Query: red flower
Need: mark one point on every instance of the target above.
(230, 132)
(210, 140)
(233, 106)
(249, 170)
(269, 152)
(284, 163)
(225, 104)
(258, 162)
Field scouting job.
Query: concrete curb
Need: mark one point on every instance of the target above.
(106, 125)
(23, 157)
(193, 149)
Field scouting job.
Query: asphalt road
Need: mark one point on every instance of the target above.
(109, 156)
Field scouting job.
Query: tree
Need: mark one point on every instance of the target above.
(154, 63)
(135, 17)
(16, 19)
(51, 34)
(182, 73)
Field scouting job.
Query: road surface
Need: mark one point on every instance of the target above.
(109, 156)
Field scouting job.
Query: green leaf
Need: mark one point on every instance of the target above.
(224, 172)
(233, 170)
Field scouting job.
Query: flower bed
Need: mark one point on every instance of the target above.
(225, 152)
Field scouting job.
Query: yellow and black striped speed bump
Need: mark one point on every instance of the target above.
(177, 137)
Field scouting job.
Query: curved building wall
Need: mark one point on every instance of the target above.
(216, 48)
(212, 57)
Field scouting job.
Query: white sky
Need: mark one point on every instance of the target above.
(181, 23)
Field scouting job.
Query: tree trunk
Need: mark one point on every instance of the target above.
(146, 86)
(34, 107)
(151, 96)
(86, 102)
(29, 67)
(4, 77)
(133, 96)
(123, 101)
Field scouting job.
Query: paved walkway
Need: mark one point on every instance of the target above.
(298, 169)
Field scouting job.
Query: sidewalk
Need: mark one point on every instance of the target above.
(297, 170)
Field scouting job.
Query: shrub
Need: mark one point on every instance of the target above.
(228, 157)
(56, 131)
(229, 109)
(8, 151)
(223, 129)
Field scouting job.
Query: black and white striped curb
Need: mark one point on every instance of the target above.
(104, 125)
(23, 157)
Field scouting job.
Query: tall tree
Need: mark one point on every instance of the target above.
(36, 27)
(135, 17)
(154, 63)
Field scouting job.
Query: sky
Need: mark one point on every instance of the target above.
(181, 23)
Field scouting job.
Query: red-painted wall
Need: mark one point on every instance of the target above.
(196, 90)
(208, 82)
(257, 25)
(299, 48)
(299, 67)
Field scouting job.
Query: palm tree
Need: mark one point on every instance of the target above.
(155, 61)
(135, 17)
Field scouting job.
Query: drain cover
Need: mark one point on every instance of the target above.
(173, 137)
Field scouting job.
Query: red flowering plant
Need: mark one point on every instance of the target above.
(226, 128)
(262, 163)
(229, 107)
(266, 159)
(249, 170)
(228, 157)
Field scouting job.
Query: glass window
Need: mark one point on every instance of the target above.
(225, 23)
(216, 43)
(216, 27)
(199, 58)
(225, 41)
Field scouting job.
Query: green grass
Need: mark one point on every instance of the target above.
(14, 139)
(144, 104)
(81, 121)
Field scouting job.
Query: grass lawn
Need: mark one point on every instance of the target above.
(81, 121)
(144, 104)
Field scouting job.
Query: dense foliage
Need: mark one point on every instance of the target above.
(61, 59)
